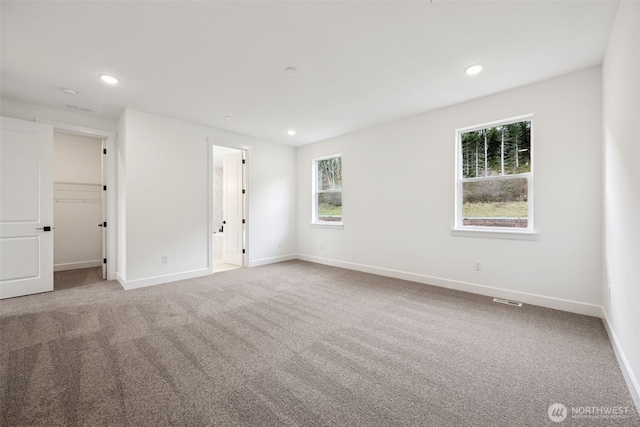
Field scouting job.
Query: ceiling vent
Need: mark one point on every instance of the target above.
(78, 108)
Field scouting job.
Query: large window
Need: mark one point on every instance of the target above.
(327, 190)
(494, 176)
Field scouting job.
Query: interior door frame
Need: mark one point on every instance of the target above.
(247, 226)
(233, 195)
(103, 208)
(110, 176)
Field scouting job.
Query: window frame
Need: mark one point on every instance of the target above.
(315, 221)
(460, 229)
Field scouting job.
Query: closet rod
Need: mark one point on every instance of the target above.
(75, 183)
(76, 201)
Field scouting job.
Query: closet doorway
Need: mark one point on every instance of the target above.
(78, 210)
(229, 210)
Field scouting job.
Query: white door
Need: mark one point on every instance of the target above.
(232, 208)
(26, 208)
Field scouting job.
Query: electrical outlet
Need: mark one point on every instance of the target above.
(477, 266)
(165, 259)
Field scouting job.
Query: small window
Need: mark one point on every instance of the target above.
(327, 191)
(494, 177)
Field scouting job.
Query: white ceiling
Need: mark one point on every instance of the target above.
(360, 63)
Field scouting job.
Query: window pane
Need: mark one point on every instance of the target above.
(330, 174)
(495, 203)
(500, 150)
(330, 207)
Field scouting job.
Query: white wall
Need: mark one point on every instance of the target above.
(121, 206)
(621, 116)
(398, 195)
(77, 208)
(76, 158)
(164, 166)
(217, 198)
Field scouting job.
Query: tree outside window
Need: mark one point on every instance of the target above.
(494, 176)
(328, 190)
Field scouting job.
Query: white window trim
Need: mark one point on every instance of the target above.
(339, 225)
(513, 233)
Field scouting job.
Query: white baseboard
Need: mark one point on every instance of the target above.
(524, 297)
(629, 377)
(158, 280)
(77, 265)
(272, 260)
(120, 280)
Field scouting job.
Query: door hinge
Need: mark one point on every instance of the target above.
(243, 251)
(243, 221)
(244, 191)
(244, 161)
(104, 224)
(104, 260)
(104, 151)
(104, 188)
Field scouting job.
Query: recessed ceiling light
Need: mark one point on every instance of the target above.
(291, 132)
(69, 91)
(108, 79)
(291, 70)
(473, 69)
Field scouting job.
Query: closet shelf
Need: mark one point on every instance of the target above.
(76, 192)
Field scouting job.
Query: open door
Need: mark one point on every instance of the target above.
(233, 208)
(26, 208)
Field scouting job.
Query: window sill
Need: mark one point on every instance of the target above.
(335, 226)
(492, 233)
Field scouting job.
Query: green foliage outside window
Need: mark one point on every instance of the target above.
(329, 189)
(500, 152)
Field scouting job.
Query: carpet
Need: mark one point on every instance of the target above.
(299, 344)
(67, 279)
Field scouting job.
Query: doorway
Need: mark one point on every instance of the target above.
(78, 210)
(27, 227)
(229, 207)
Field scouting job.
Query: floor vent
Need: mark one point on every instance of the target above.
(507, 302)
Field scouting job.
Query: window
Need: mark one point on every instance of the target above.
(327, 190)
(494, 176)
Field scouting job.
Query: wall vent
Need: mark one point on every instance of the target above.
(78, 108)
(507, 302)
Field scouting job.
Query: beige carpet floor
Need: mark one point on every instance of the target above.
(68, 279)
(298, 344)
